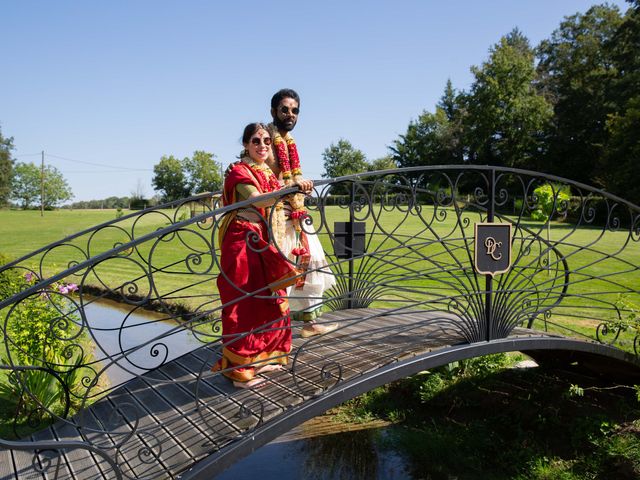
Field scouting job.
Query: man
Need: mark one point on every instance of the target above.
(285, 107)
(302, 246)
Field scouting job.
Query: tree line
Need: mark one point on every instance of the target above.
(569, 106)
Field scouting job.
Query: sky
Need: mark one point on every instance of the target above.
(106, 89)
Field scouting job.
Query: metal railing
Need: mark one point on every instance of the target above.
(398, 243)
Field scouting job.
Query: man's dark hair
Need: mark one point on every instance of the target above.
(284, 93)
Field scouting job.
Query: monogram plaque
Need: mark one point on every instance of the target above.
(492, 253)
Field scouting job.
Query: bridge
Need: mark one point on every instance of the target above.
(432, 265)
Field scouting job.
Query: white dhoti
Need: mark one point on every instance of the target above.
(306, 296)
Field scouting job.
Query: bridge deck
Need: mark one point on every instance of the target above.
(177, 427)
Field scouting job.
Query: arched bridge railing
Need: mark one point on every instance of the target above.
(421, 259)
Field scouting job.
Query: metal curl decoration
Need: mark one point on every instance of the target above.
(326, 374)
(613, 222)
(42, 464)
(253, 239)
(131, 290)
(245, 411)
(480, 196)
(602, 330)
(150, 454)
(502, 197)
(588, 211)
(635, 229)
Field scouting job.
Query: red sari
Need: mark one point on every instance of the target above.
(256, 327)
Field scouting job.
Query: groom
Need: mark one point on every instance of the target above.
(285, 163)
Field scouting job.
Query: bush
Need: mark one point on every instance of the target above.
(551, 199)
(38, 333)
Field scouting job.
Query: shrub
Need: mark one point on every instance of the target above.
(551, 198)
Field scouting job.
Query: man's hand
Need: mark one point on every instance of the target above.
(305, 185)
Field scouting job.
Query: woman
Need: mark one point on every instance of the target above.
(254, 275)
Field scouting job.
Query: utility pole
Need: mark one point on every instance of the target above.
(42, 186)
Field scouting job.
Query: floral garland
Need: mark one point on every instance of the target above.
(287, 153)
(266, 178)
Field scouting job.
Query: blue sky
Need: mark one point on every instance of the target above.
(121, 83)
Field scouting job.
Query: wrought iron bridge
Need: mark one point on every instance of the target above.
(128, 398)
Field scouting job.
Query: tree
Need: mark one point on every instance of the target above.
(427, 142)
(27, 186)
(621, 166)
(169, 178)
(576, 72)
(383, 163)
(178, 179)
(505, 116)
(203, 172)
(342, 159)
(6, 168)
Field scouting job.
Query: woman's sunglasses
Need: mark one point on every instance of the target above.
(285, 110)
(257, 141)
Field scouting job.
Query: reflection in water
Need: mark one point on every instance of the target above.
(115, 328)
(355, 455)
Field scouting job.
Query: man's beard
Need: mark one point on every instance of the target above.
(280, 125)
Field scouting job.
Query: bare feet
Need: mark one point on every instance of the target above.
(269, 368)
(312, 328)
(254, 382)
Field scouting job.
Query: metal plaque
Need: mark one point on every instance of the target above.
(492, 253)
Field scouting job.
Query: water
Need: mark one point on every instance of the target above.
(105, 317)
(353, 455)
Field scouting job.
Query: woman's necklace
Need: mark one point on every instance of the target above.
(267, 180)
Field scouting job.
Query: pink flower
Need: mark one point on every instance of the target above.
(68, 288)
(298, 252)
(28, 276)
(298, 214)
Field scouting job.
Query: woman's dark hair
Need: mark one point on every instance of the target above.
(250, 129)
(284, 93)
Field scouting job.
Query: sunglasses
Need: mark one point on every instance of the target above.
(285, 110)
(257, 141)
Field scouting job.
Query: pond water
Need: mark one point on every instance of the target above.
(138, 327)
(351, 455)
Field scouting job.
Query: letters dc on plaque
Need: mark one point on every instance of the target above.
(492, 253)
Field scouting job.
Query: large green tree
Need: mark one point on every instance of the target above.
(170, 179)
(203, 172)
(177, 179)
(27, 186)
(577, 72)
(621, 163)
(341, 159)
(6, 168)
(505, 115)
